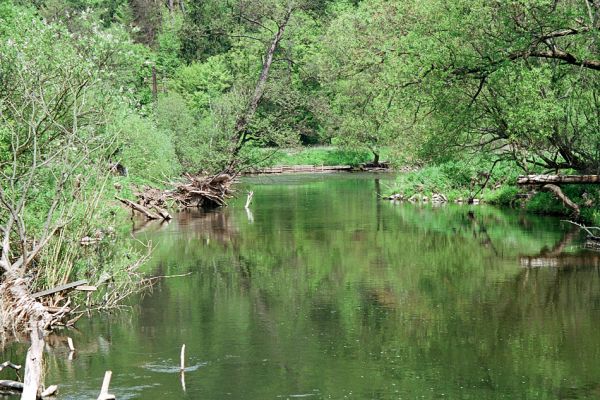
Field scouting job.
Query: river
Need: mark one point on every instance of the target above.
(322, 291)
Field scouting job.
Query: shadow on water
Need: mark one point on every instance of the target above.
(324, 291)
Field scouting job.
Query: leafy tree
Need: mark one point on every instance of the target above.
(358, 68)
(517, 79)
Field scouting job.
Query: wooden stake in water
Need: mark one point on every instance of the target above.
(183, 358)
(70, 343)
(182, 369)
(71, 348)
(104, 395)
(249, 199)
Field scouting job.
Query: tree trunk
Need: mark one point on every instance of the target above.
(544, 179)
(241, 125)
(32, 383)
(154, 84)
(138, 207)
(375, 159)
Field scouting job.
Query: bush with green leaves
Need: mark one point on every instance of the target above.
(146, 151)
(199, 83)
(58, 90)
(462, 178)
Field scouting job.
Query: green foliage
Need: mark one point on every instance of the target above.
(586, 196)
(199, 83)
(60, 86)
(169, 44)
(146, 151)
(505, 195)
(319, 156)
(462, 178)
(369, 77)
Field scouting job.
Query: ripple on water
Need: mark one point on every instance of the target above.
(167, 367)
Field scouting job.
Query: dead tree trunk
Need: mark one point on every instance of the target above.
(556, 179)
(241, 125)
(137, 207)
(32, 384)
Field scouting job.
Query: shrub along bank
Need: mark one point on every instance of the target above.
(480, 178)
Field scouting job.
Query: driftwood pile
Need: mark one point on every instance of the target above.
(206, 192)
(195, 191)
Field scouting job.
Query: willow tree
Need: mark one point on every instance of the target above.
(359, 69)
(515, 78)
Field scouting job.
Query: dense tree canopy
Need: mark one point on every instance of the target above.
(517, 79)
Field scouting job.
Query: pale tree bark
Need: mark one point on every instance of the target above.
(32, 383)
(543, 179)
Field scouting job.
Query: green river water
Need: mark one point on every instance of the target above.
(321, 291)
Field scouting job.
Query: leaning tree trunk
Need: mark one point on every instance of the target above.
(241, 125)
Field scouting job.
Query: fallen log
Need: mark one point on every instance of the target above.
(139, 208)
(50, 391)
(561, 261)
(15, 387)
(557, 179)
(588, 229)
(12, 385)
(61, 288)
(162, 212)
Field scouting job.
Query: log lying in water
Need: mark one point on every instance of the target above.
(11, 385)
(61, 288)
(9, 365)
(282, 169)
(557, 179)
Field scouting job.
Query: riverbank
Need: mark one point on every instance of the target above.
(485, 181)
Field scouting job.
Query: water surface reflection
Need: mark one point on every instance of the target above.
(325, 292)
